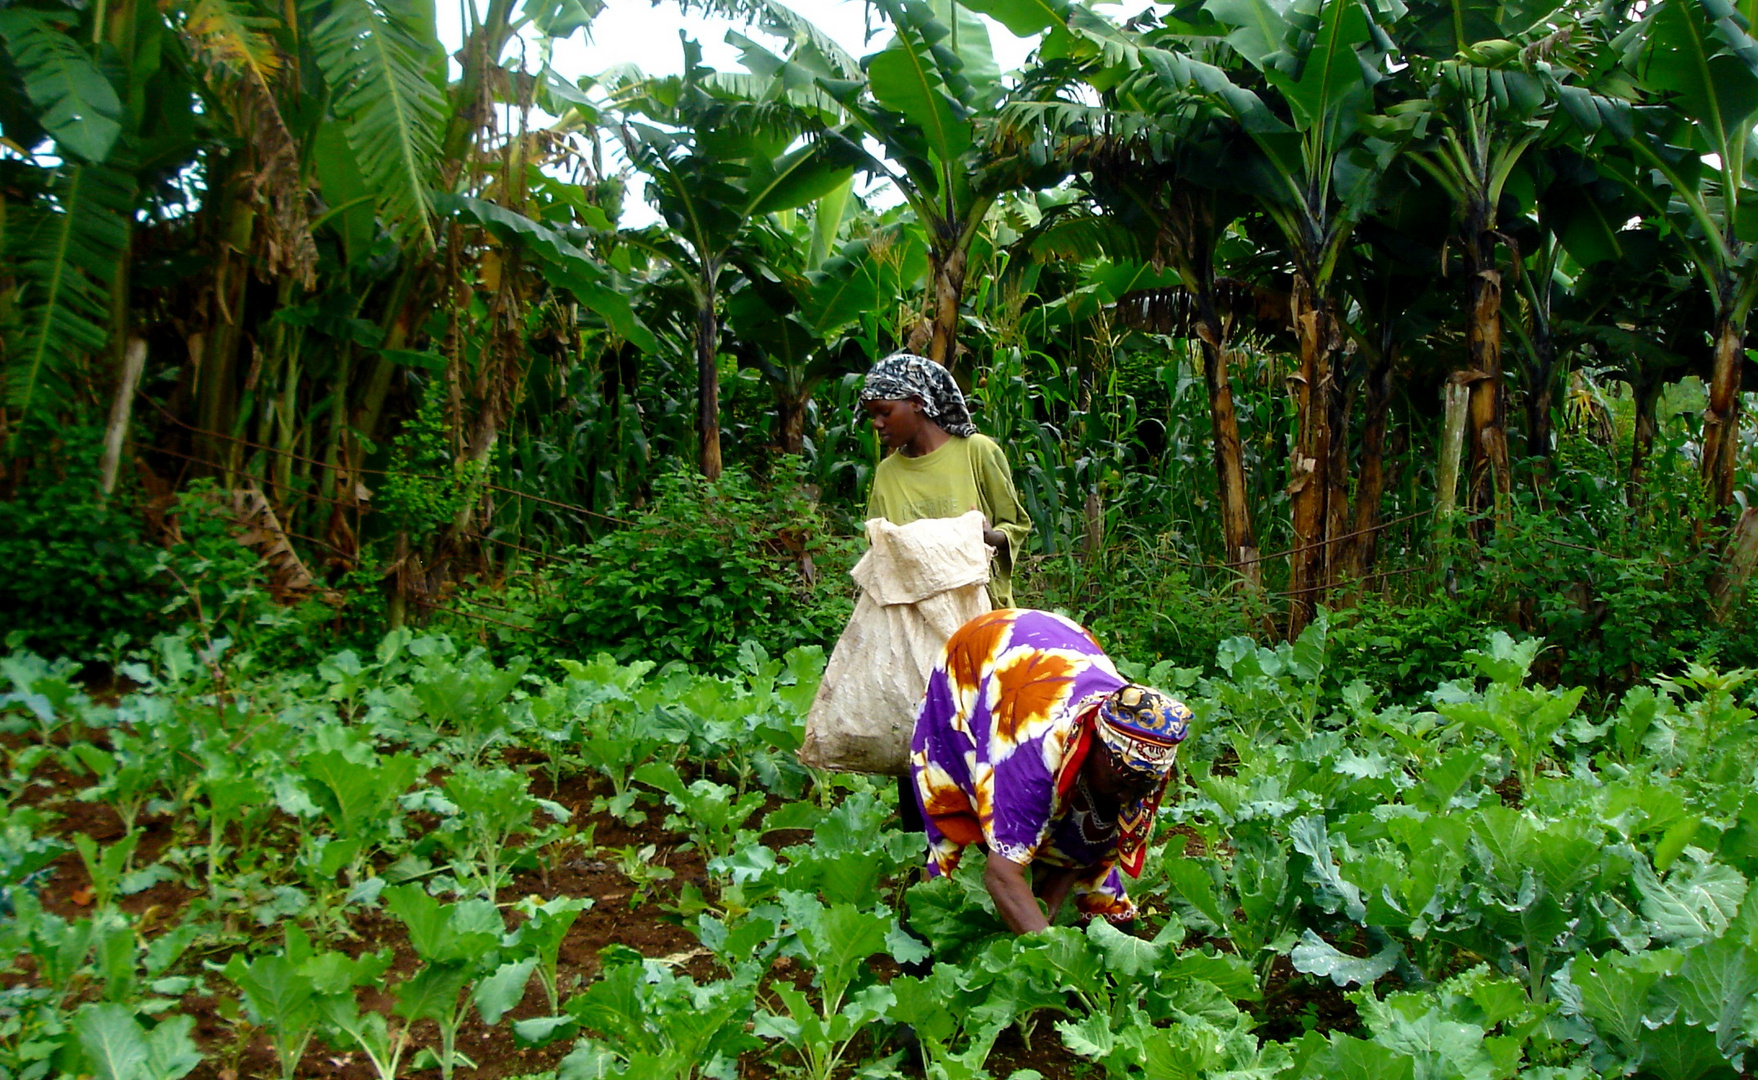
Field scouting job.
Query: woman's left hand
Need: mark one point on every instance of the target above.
(995, 538)
(1052, 886)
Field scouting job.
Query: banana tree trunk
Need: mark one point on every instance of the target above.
(1370, 489)
(219, 402)
(707, 383)
(1309, 485)
(948, 274)
(491, 412)
(1490, 475)
(1093, 527)
(339, 484)
(472, 97)
(499, 373)
(400, 312)
(371, 410)
(1647, 396)
(277, 419)
(1242, 553)
(790, 419)
(1541, 393)
(121, 409)
(1458, 408)
(1721, 420)
(1339, 403)
(1738, 560)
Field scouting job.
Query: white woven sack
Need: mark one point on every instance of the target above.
(919, 582)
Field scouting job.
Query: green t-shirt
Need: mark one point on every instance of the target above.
(963, 475)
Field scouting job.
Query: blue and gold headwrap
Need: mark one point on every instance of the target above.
(1143, 727)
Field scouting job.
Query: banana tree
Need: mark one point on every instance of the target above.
(809, 307)
(1397, 303)
(1149, 158)
(276, 167)
(1485, 114)
(1648, 344)
(1315, 175)
(921, 99)
(1150, 165)
(731, 151)
(64, 248)
(1698, 60)
(1578, 227)
(1600, 288)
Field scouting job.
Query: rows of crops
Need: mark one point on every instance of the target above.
(374, 868)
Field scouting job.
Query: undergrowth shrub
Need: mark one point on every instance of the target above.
(1403, 650)
(87, 577)
(1620, 594)
(77, 572)
(1619, 598)
(1141, 603)
(705, 566)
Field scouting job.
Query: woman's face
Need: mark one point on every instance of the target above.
(896, 422)
(1112, 778)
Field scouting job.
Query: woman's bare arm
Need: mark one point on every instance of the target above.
(1007, 885)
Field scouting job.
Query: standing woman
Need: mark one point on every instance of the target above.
(943, 466)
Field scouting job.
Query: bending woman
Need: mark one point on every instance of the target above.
(1030, 745)
(943, 467)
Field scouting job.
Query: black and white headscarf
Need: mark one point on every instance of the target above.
(901, 376)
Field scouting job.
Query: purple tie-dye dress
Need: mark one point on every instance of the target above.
(1003, 727)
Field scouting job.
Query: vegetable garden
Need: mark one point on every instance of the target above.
(416, 860)
(416, 573)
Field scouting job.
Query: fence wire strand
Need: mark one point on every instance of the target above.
(298, 493)
(362, 469)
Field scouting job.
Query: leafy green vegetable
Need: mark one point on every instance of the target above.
(643, 1022)
(290, 994)
(460, 946)
(546, 924)
(113, 1045)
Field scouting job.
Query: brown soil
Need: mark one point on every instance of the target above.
(1509, 792)
(1044, 1053)
(234, 1050)
(1295, 1003)
(1194, 844)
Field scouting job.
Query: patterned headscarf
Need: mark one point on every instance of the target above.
(1143, 727)
(905, 375)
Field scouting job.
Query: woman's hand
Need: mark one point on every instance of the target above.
(1052, 884)
(1007, 885)
(995, 538)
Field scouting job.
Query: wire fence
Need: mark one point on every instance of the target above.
(291, 495)
(368, 471)
(343, 471)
